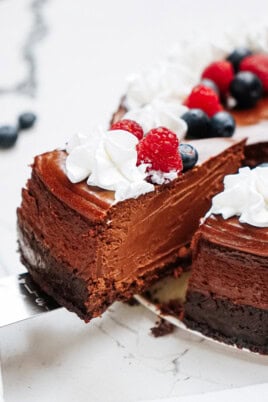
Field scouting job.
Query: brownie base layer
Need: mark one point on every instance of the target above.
(243, 326)
(61, 282)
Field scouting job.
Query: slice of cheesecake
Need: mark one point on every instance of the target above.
(87, 251)
(227, 297)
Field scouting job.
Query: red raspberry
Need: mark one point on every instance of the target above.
(258, 65)
(204, 98)
(160, 148)
(222, 73)
(129, 125)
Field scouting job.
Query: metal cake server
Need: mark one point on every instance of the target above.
(21, 298)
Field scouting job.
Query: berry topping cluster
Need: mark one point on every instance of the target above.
(159, 148)
(9, 133)
(243, 76)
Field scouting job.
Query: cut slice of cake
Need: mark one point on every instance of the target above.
(227, 296)
(87, 251)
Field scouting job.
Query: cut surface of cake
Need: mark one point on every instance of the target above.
(87, 251)
(227, 296)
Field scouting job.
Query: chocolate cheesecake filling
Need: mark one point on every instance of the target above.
(243, 276)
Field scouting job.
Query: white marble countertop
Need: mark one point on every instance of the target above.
(67, 61)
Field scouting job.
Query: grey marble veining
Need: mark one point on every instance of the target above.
(36, 32)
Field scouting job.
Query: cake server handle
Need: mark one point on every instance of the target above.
(21, 298)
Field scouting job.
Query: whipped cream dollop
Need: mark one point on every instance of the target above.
(107, 159)
(166, 80)
(173, 78)
(160, 114)
(245, 195)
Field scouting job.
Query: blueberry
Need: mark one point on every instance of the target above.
(189, 156)
(237, 56)
(198, 123)
(222, 125)
(210, 84)
(8, 136)
(246, 88)
(26, 120)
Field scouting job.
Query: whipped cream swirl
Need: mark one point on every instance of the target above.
(167, 80)
(245, 195)
(160, 114)
(107, 159)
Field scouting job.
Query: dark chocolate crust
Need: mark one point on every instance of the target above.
(242, 325)
(56, 279)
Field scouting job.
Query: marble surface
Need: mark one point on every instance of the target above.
(67, 61)
(234, 394)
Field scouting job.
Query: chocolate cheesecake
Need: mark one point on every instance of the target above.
(85, 248)
(227, 296)
(87, 251)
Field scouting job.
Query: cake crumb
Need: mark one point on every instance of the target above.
(162, 328)
(173, 307)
